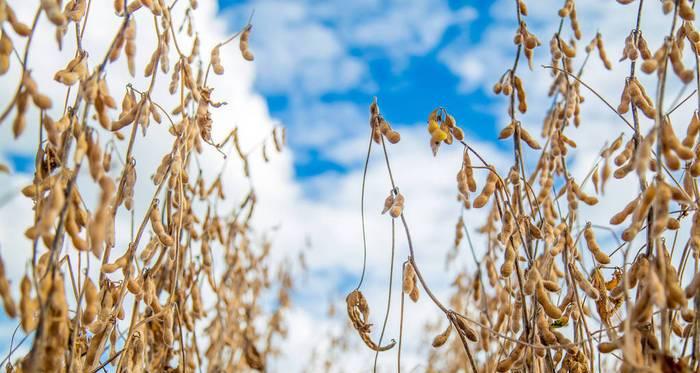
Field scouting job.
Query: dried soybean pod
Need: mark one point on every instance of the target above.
(601, 51)
(408, 275)
(549, 308)
(546, 334)
(508, 262)
(520, 90)
(601, 257)
(529, 140)
(414, 294)
(441, 338)
(245, 50)
(533, 278)
(625, 100)
(693, 287)
(505, 364)
(685, 11)
(8, 302)
(120, 263)
(132, 284)
(507, 131)
(522, 7)
(491, 181)
(388, 202)
(551, 286)
(626, 211)
(158, 227)
(168, 322)
(27, 305)
(469, 171)
(595, 179)
(692, 131)
(592, 245)
(91, 302)
(583, 282)
(397, 206)
(215, 61)
(465, 329)
(608, 347)
(688, 314)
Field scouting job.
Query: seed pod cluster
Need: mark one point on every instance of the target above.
(510, 84)
(442, 128)
(74, 72)
(671, 50)
(569, 10)
(635, 94)
(516, 127)
(380, 126)
(528, 40)
(635, 45)
(532, 228)
(394, 204)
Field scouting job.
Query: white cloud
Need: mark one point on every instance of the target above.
(297, 53)
(326, 124)
(308, 48)
(405, 30)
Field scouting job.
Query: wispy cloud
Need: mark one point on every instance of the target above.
(309, 50)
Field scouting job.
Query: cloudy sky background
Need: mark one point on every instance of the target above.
(318, 65)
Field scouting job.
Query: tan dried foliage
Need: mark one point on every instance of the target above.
(561, 294)
(160, 305)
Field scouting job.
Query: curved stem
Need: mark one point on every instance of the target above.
(391, 281)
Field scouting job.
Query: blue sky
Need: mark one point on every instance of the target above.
(408, 84)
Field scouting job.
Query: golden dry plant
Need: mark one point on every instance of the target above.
(185, 293)
(545, 294)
